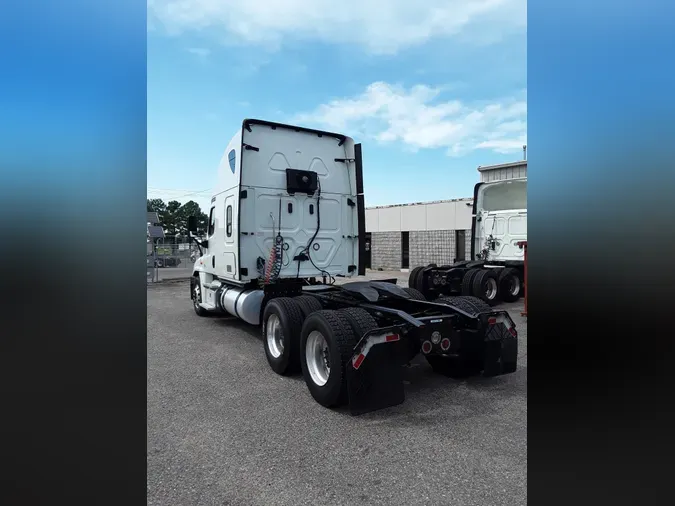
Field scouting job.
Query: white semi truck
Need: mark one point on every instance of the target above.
(287, 219)
(495, 271)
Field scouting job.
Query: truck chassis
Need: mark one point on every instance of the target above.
(351, 341)
(492, 281)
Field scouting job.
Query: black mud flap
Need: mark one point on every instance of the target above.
(501, 357)
(378, 381)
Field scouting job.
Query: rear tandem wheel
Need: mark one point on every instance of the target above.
(485, 286)
(467, 281)
(281, 325)
(326, 345)
(510, 284)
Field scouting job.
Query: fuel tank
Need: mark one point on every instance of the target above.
(244, 304)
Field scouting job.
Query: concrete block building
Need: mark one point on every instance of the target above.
(404, 236)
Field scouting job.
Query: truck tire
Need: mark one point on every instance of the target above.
(467, 281)
(360, 320)
(480, 305)
(327, 343)
(461, 303)
(281, 327)
(196, 296)
(420, 283)
(414, 294)
(486, 286)
(412, 279)
(510, 284)
(308, 304)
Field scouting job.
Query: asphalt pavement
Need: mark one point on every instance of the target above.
(224, 429)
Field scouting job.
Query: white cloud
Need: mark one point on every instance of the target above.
(418, 120)
(380, 27)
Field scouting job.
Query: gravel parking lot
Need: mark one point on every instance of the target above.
(224, 429)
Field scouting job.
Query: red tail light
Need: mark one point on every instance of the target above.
(426, 347)
(513, 332)
(445, 344)
(492, 321)
(392, 338)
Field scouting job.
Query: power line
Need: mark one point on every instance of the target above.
(185, 193)
(154, 188)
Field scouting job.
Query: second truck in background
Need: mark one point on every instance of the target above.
(495, 271)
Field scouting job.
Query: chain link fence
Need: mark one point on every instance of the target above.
(166, 260)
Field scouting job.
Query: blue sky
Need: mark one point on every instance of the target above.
(431, 90)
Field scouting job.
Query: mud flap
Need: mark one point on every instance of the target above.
(500, 357)
(378, 381)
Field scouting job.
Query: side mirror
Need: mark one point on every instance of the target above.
(192, 224)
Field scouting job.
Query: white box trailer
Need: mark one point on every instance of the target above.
(287, 218)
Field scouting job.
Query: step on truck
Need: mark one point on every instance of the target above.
(286, 221)
(495, 272)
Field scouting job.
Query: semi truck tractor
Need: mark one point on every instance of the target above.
(286, 221)
(495, 270)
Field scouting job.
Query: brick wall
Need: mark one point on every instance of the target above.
(386, 250)
(426, 247)
(432, 246)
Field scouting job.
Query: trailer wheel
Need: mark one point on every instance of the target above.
(454, 367)
(281, 327)
(467, 281)
(486, 286)
(510, 285)
(308, 304)
(360, 320)
(196, 295)
(415, 294)
(327, 343)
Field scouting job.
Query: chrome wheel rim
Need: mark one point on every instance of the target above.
(275, 336)
(514, 286)
(491, 289)
(197, 296)
(318, 358)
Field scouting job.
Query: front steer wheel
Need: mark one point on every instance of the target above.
(196, 296)
(281, 326)
(326, 345)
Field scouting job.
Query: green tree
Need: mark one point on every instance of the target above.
(156, 205)
(174, 216)
(188, 209)
(170, 221)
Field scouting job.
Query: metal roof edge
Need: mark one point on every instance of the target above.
(464, 199)
(519, 163)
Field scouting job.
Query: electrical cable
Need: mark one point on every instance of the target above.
(276, 258)
(306, 250)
